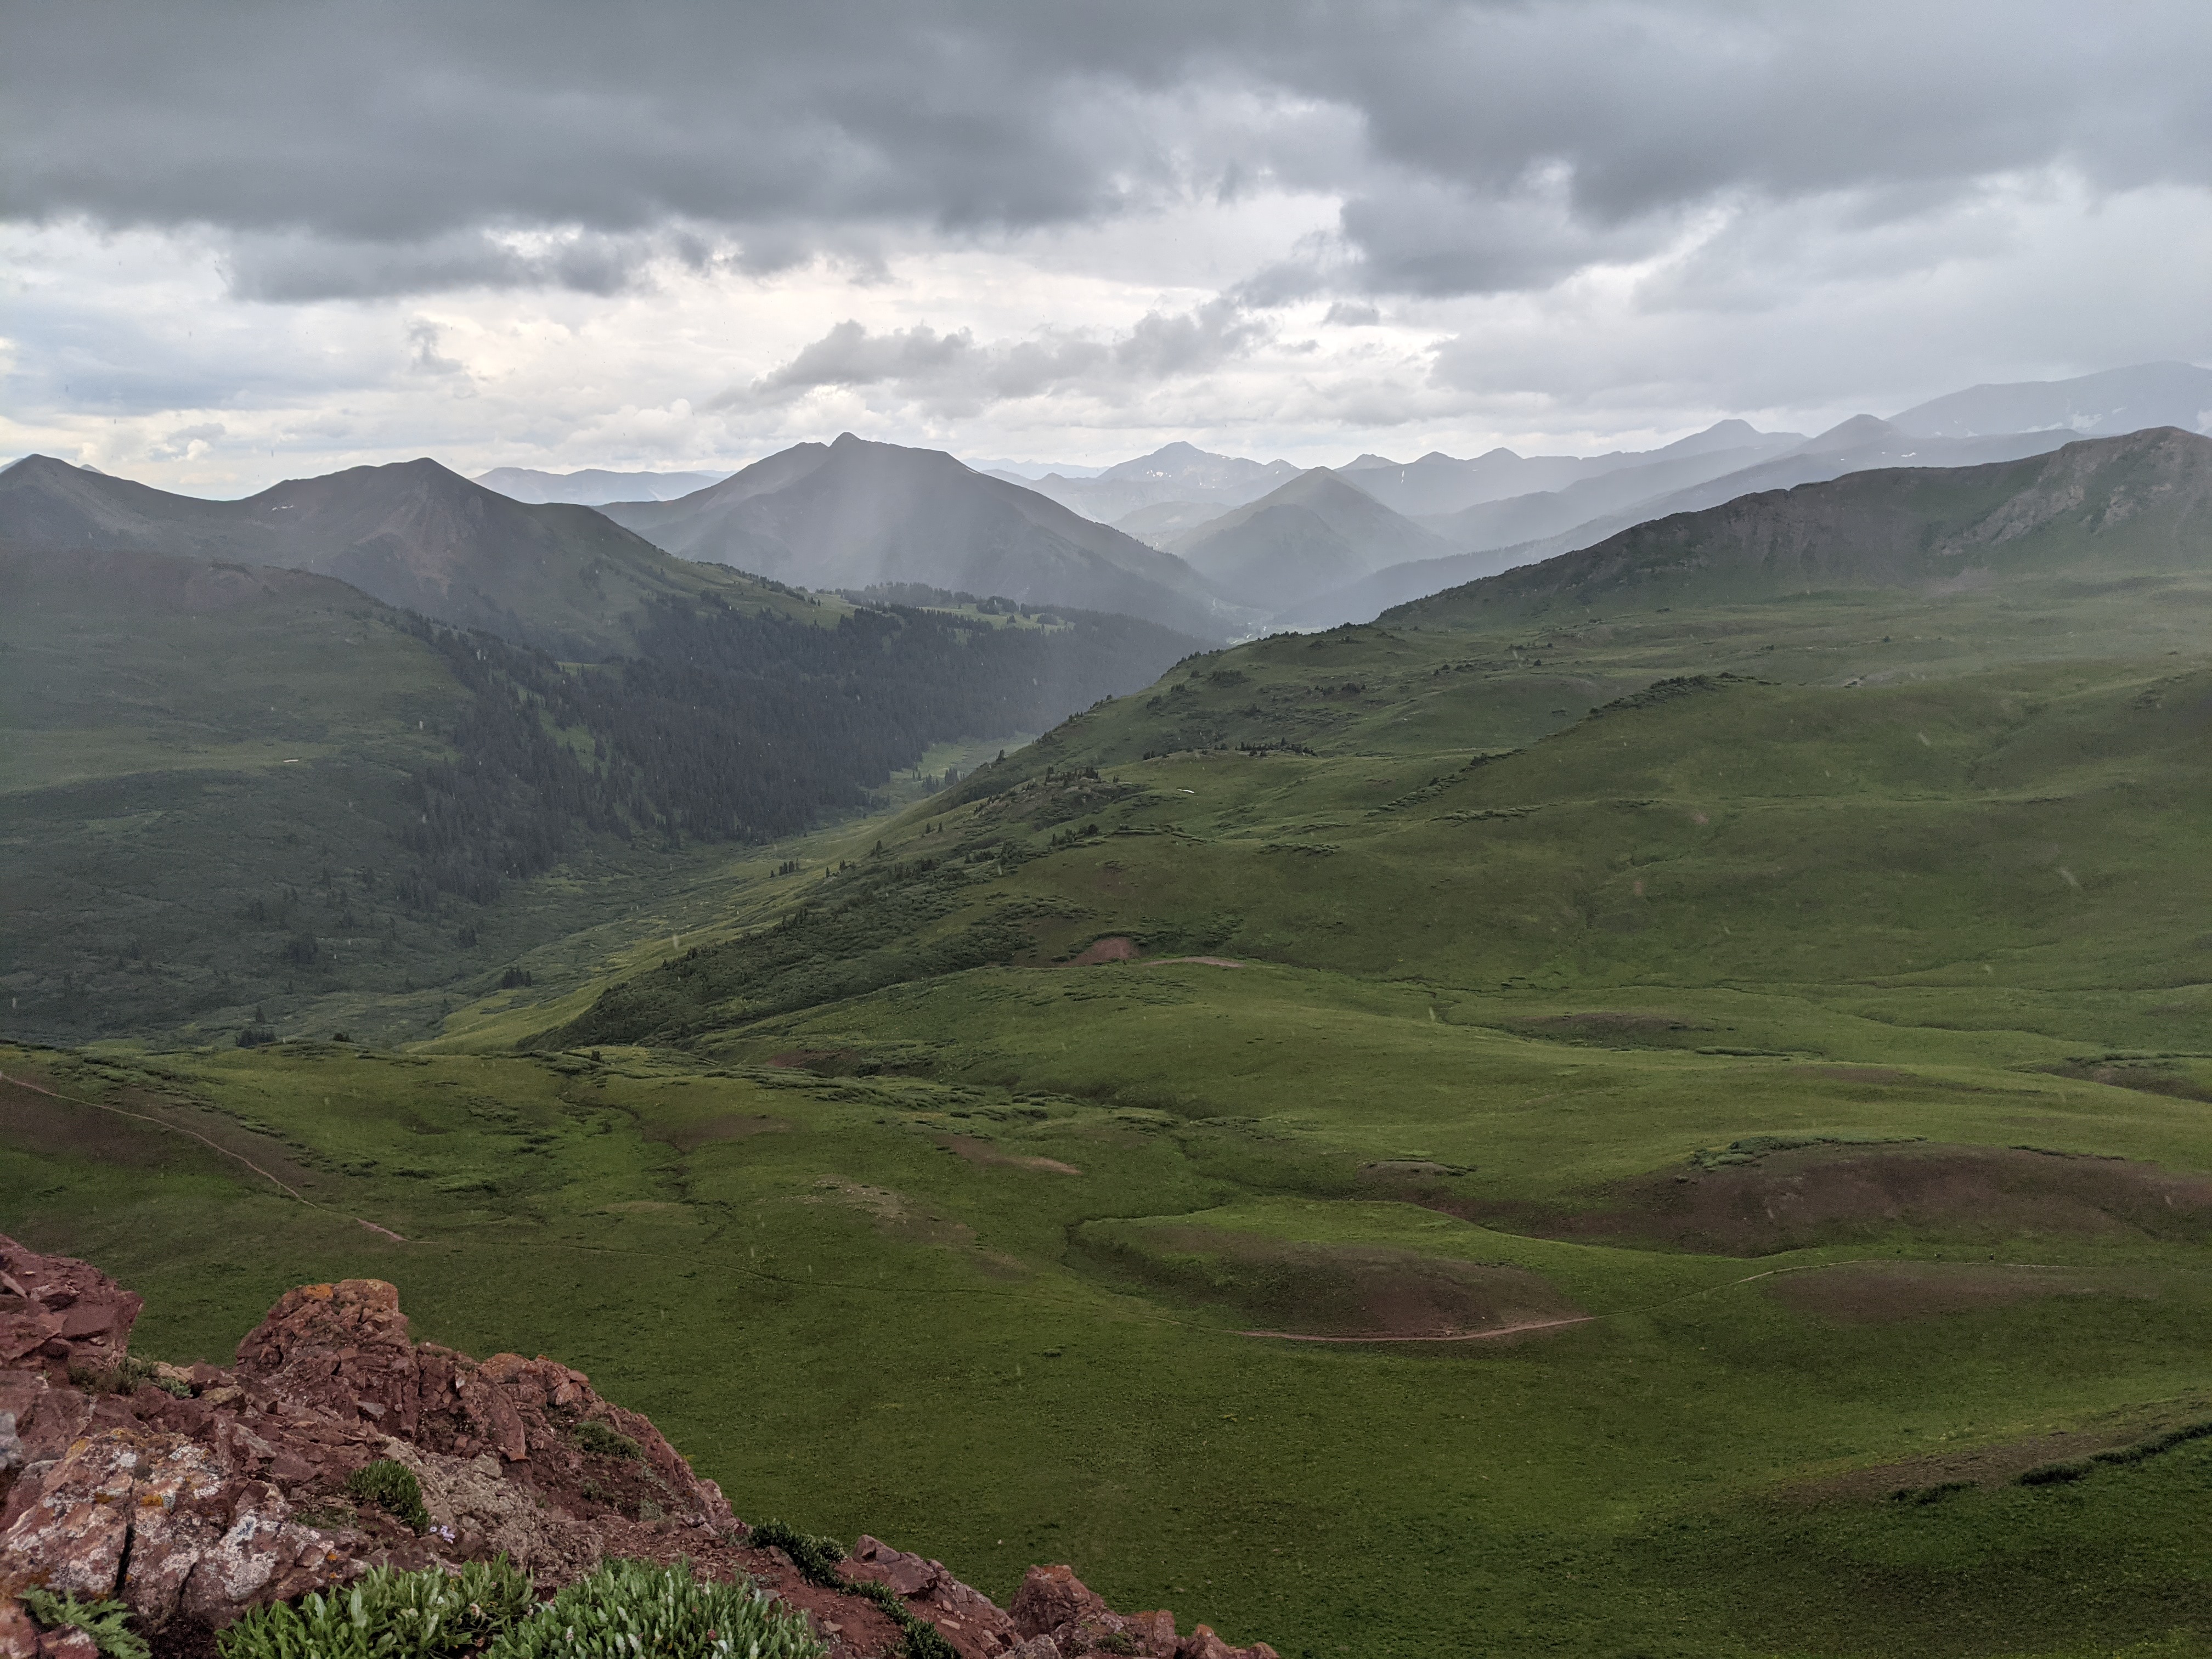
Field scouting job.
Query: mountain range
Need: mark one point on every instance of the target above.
(593, 486)
(856, 514)
(411, 534)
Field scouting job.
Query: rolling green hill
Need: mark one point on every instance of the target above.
(1673, 1125)
(2119, 506)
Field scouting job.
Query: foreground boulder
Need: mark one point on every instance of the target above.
(193, 1494)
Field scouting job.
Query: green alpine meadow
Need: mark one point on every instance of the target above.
(1656, 1104)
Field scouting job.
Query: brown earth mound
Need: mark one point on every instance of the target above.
(195, 1494)
(1105, 950)
(1350, 1290)
(1828, 1195)
(732, 1125)
(982, 1152)
(1890, 1293)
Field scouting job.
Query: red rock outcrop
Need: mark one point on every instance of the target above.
(194, 1494)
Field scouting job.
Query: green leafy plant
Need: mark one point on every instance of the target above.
(594, 1436)
(104, 1621)
(816, 1557)
(387, 1614)
(627, 1608)
(392, 1487)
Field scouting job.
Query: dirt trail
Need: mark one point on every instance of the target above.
(1459, 1336)
(213, 1146)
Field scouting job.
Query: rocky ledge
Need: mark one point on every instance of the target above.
(193, 1494)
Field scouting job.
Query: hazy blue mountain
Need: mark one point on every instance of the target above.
(1024, 472)
(1314, 533)
(593, 486)
(855, 514)
(1439, 484)
(1177, 473)
(411, 534)
(2117, 400)
(1859, 444)
(1159, 525)
(1547, 513)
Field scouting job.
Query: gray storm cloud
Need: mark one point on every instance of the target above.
(956, 373)
(381, 148)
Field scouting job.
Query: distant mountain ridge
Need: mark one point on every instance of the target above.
(1859, 444)
(593, 486)
(1314, 533)
(2103, 404)
(411, 534)
(856, 514)
(1177, 472)
(2141, 502)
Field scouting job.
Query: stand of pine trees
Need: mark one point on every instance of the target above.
(732, 726)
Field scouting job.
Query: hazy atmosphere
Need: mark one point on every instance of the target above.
(883, 829)
(244, 243)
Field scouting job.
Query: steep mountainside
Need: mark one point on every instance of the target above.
(1860, 444)
(593, 486)
(412, 534)
(857, 515)
(2099, 507)
(1315, 534)
(235, 792)
(2093, 405)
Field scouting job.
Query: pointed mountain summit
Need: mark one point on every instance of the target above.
(855, 514)
(411, 534)
(1315, 534)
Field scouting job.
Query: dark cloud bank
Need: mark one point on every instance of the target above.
(377, 148)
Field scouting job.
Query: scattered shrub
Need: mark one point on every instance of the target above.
(104, 1621)
(817, 1558)
(627, 1608)
(921, 1639)
(594, 1436)
(391, 1486)
(385, 1614)
(2052, 1474)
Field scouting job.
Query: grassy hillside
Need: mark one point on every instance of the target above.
(1659, 1132)
(2134, 506)
(238, 795)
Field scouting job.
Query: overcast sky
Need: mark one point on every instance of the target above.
(249, 240)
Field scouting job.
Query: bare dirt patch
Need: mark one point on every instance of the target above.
(42, 1123)
(982, 1154)
(1353, 1292)
(731, 1126)
(1830, 1195)
(1104, 950)
(1875, 1075)
(1610, 1027)
(1891, 1293)
(893, 1213)
(2145, 1077)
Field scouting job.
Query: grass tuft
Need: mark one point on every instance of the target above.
(392, 1487)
